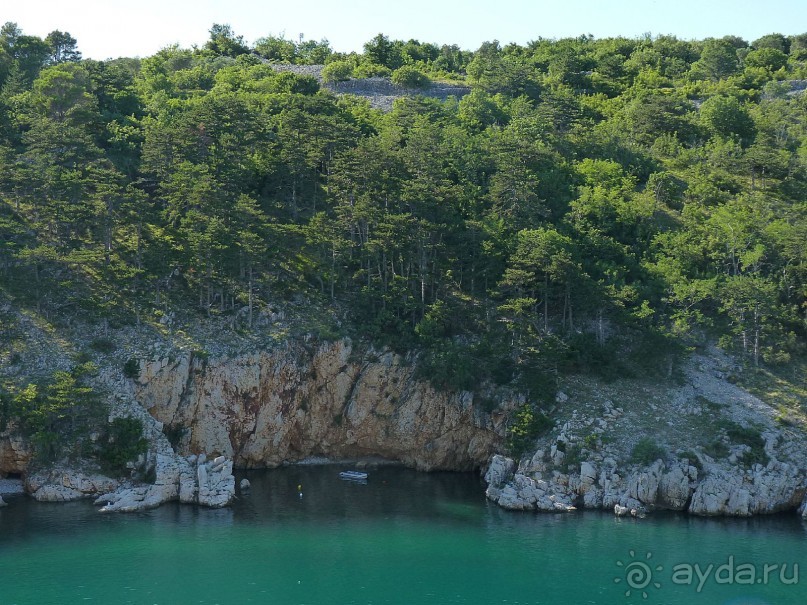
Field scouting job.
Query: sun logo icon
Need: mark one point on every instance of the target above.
(638, 575)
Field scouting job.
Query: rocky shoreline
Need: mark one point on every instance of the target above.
(710, 448)
(194, 480)
(716, 490)
(676, 486)
(721, 450)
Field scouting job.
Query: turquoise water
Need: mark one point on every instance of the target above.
(403, 538)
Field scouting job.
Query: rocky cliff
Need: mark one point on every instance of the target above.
(298, 400)
(15, 452)
(714, 450)
(205, 413)
(193, 479)
(721, 451)
(665, 485)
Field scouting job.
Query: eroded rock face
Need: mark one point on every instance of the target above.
(590, 456)
(719, 490)
(15, 452)
(194, 480)
(500, 471)
(292, 402)
(66, 484)
(762, 490)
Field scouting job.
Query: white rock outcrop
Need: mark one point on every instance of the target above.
(707, 432)
(499, 471)
(762, 490)
(192, 481)
(720, 490)
(63, 484)
(677, 485)
(516, 491)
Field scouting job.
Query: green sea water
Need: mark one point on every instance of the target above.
(403, 538)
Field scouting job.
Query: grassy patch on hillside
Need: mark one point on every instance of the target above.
(782, 387)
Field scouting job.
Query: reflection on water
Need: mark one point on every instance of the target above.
(404, 537)
(390, 492)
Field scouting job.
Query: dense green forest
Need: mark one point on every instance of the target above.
(589, 205)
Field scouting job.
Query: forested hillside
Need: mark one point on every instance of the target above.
(590, 205)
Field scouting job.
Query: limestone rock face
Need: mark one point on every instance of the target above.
(263, 409)
(176, 478)
(193, 481)
(761, 490)
(722, 490)
(66, 485)
(517, 491)
(217, 488)
(676, 486)
(15, 452)
(286, 404)
(500, 471)
(643, 486)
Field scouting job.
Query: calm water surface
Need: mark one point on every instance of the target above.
(403, 538)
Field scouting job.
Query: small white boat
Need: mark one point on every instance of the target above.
(353, 475)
